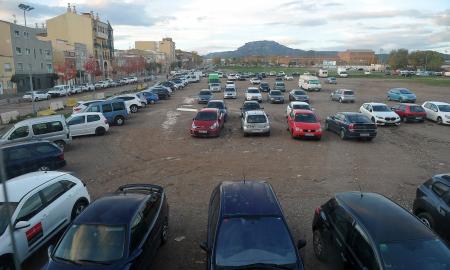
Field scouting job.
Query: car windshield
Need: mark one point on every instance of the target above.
(300, 93)
(251, 106)
(416, 109)
(301, 107)
(229, 90)
(305, 118)
(380, 108)
(415, 254)
(332, 78)
(215, 84)
(314, 82)
(246, 241)
(4, 221)
(276, 93)
(405, 91)
(348, 93)
(206, 116)
(218, 105)
(92, 243)
(444, 108)
(253, 91)
(205, 93)
(264, 84)
(260, 118)
(279, 84)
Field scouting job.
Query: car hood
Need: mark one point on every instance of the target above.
(385, 114)
(276, 97)
(408, 95)
(253, 94)
(302, 96)
(66, 266)
(203, 123)
(303, 125)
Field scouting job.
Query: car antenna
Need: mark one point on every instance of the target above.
(359, 186)
(243, 175)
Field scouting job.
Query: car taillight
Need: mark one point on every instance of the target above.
(61, 156)
(318, 210)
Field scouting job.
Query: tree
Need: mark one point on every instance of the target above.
(66, 71)
(92, 67)
(427, 60)
(398, 58)
(216, 61)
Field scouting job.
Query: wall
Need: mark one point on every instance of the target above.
(146, 45)
(6, 57)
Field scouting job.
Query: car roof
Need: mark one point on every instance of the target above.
(299, 103)
(19, 186)
(248, 198)
(87, 113)
(383, 219)
(375, 103)
(252, 88)
(25, 143)
(216, 100)
(350, 113)
(255, 112)
(42, 119)
(250, 101)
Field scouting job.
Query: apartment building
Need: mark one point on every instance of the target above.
(358, 57)
(166, 46)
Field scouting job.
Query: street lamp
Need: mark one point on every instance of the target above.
(26, 8)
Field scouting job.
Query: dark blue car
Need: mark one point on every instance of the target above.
(247, 229)
(151, 97)
(25, 157)
(122, 230)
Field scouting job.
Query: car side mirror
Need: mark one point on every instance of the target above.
(21, 224)
(301, 243)
(205, 247)
(50, 250)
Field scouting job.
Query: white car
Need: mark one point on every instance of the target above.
(215, 87)
(380, 113)
(36, 96)
(42, 204)
(288, 77)
(253, 93)
(87, 87)
(132, 79)
(75, 89)
(297, 105)
(59, 90)
(437, 111)
(101, 84)
(81, 105)
(255, 122)
(231, 77)
(230, 92)
(255, 81)
(87, 123)
(132, 102)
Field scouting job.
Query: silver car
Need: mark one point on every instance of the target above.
(255, 122)
(230, 92)
(343, 95)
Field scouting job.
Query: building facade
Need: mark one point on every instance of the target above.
(358, 57)
(6, 60)
(167, 46)
(146, 45)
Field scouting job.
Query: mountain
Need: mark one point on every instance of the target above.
(266, 48)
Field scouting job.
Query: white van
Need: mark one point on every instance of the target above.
(342, 72)
(51, 128)
(309, 83)
(323, 73)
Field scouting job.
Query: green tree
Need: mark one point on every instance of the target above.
(427, 60)
(398, 58)
(216, 61)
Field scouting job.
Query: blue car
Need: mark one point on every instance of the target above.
(247, 229)
(122, 230)
(114, 110)
(204, 96)
(401, 95)
(151, 97)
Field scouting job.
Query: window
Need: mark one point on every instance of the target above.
(53, 192)
(137, 231)
(20, 132)
(44, 148)
(151, 209)
(18, 153)
(106, 108)
(44, 128)
(118, 106)
(93, 118)
(67, 184)
(18, 50)
(7, 67)
(16, 33)
(49, 68)
(30, 208)
(95, 108)
(26, 34)
(76, 120)
(440, 189)
(362, 249)
(342, 221)
(213, 215)
(27, 51)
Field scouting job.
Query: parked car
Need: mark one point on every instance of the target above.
(437, 111)
(81, 105)
(101, 84)
(114, 111)
(288, 77)
(247, 229)
(132, 102)
(343, 95)
(204, 96)
(42, 204)
(75, 89)
(298, 95)
(230, 92)
(215, 87)
(401, 95)
(133, 224)
(255, 122)
(87, 123)
(347, 232)
(264, 87)
(207, 123)
(221, 106)
(297, 105)
(253, 93)
(331, 80)
(279, 85)
(255, 80)
(432, 204)
(351, 125)
(304, 124)
(52, 128)
(36, 96)
(250, 106)
(59, 91)
(410, 112)
(275, 96)
(24, 157)
(162, 92)
(87, 87)
(380, 114)
(149, 96)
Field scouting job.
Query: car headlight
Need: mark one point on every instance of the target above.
(379, 117)
(319, 130)
(447, 116)
(194, 126)
(298, 129)
(214, 126)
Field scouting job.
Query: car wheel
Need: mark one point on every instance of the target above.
(100, 131)
(119, 121)
(36, 99)
(267, 133)
(343, 135)
(44, 168)
(165, 232)
(439, 120)
(134, 108)
(426, 219)
(319, 246)
(61, 144)
(78, 208)
(340, 100)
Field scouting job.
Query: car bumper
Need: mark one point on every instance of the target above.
(259, 99)
(204, 132)
(361, 134)
(414, 118)
(229, 96)
(256, 130)
(305, 134)
(383, 122)
(277, 100)
(301, 99)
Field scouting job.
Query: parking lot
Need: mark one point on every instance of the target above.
(154, 146)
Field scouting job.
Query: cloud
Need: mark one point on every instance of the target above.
(303, 22)
(308, 5)
(364, 15)
(443, 18)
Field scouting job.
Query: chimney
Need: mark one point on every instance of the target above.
(68, 8)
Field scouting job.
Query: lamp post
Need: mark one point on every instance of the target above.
(26, 8)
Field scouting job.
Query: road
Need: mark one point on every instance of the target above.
(154, 146)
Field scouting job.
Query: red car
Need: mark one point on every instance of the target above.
(304, 124)
(207, 123)
(410, 112)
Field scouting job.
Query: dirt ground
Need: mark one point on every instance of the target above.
(154, 146)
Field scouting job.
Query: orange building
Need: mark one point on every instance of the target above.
(358, 57)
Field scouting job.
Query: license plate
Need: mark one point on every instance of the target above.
(309, 135)
(419, 118)
(364, 134)
(202, 131)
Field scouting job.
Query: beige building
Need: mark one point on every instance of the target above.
(6, 60)
(146, 45)
(166, 46)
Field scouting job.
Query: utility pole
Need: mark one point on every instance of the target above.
(26, 8)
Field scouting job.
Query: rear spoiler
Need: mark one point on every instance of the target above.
(146, 187)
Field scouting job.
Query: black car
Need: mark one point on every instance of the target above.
(351, 125)
(264, 87)
(169, 84)
(298, 95)
(432, 204)
(247, 229)
(121, 230)
(275, 96)
(250, 106)
(162, 92)
(24, 157)
(368, 231)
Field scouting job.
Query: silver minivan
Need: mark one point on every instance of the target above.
(52, 128)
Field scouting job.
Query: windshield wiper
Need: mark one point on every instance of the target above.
(263, 266)
(93, 262)
(65, 260)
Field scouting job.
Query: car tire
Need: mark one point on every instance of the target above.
(119, 121)
(320, 247)
(267, 134)
(343, 135)
(340, 100)
(427, 219)
(165, 232)
(439, 120)
(61, 144)
(36, 99)
(78, 207)
(134, 108)
(100, 131)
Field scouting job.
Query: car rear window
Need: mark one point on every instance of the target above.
(205, 93)
(301, 107)
(348, 93)
(218, 105)
(299, 92)
(358, 118)
(253, 91)
(256, 119)
(276, 93)
(305, 118)
(416, 109)
(93, 118)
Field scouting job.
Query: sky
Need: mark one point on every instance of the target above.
(210, 25)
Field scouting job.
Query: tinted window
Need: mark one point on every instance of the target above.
(299, 92)
(18, 153)
(76, 120)
(30, 208)
(358, 118)
(206, 116)
(276, 93)
(20, 132)
(94, 108)
(305, 118)
(253, 91)
(205, 93)
(348, 93)
(44, 128)
(118, 106)
(151, 208)
(416, 109)
(301, 107)
(93, 118)
(444, 108)
(440, 189)
(137, 231)
(45, 148)
(362, 249)
(256, 119)
(53, 192)
(106, 108)
(380, 108)
(251, 106)
(341, 220)
(67, 184)
(4, 218)
(218, 105)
